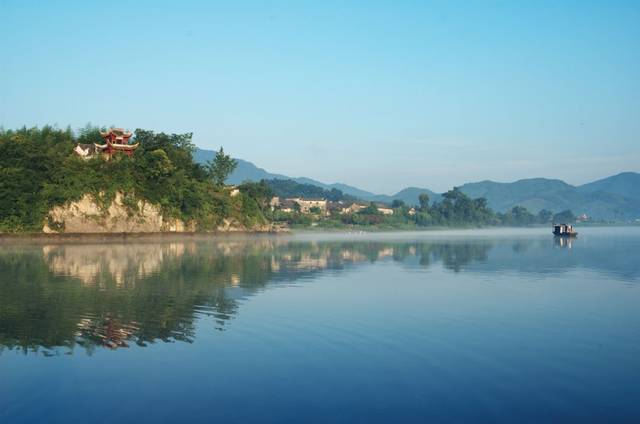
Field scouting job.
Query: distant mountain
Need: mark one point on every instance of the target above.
(555, 195)
(247, 171)
(534, 194)
(346, 189)
(625, 184)
(290, 188)
(409, 196)
(614, 198)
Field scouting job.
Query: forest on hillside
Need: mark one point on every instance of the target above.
(291, 188)
(39, 170)
(455, 209)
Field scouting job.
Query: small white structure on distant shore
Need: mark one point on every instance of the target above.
(352, 208)
(86, 151)
(385, 210)
(307, 204)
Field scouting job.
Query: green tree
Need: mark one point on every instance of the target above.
(397, 203)
(372, 209)
(290, 188)
(423, 219)
(38, 170)
(519, 216)
(260, 192)
(90, 135)
(424, 201)
(159, 164)
(564, 217)
(545, 216)
(221, 167)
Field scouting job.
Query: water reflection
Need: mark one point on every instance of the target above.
(58, 298)
(563, 242)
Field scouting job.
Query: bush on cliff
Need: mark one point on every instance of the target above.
(38, 170)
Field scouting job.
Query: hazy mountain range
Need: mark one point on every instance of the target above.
(612, 198)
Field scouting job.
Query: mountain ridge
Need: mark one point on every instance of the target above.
(616, 197)
(623, 183)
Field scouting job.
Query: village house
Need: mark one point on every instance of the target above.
(307, 204)
(335, 208)
(352, 208)
(274, 203)
(287, 205)
(384, 210)
(323, 206)
(357, 207)
(299, 204)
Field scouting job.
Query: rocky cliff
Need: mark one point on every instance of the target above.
(123, 216)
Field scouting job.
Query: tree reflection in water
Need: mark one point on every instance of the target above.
(117, 294)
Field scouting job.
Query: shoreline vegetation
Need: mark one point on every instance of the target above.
(40, 172)
(46, 187)
(310, 207)
(40, 237)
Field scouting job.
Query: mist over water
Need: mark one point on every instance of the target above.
(468, 325)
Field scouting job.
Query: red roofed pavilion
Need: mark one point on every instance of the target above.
(117, 140)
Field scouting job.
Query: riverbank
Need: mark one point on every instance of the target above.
(11, 238)
(24, 238)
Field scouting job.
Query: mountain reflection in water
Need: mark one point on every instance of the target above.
(56, 298)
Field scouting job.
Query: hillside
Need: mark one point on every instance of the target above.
(615, 198)
(555, 195)
(534, 194)
(408, 195)
(290, 188)
(247, 171)
(45, 186)
(626, 184)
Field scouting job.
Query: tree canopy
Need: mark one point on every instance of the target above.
(291, 188)
(38, 170)
(220, 167)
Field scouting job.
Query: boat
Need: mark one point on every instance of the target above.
(564, 230)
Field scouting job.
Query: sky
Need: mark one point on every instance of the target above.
(377, 94)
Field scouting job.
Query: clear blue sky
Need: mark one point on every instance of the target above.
(381, 95)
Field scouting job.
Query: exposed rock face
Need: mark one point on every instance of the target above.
(86, 216)
(124, 263)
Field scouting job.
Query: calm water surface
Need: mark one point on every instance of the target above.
(489, 326)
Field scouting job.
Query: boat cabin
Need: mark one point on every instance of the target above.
(564, 230)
